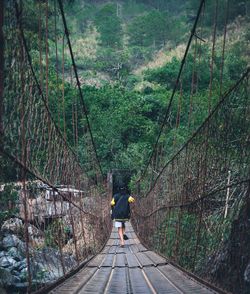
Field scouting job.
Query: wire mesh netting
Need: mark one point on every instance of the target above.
(54, 206)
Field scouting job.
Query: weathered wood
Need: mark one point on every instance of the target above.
(130, 269)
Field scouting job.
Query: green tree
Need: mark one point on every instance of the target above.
(109, 26)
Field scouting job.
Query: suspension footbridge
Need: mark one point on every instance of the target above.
(191, 217)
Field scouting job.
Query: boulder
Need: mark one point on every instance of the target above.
(13, 226)
(12, 241)
(7, 261)
(14, 252)
(50, 260)
(18, 266)
(2, 253)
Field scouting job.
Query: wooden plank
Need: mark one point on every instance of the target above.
(159, 282)
(144, 260)
(96, 262)
(131, 269)
(73, 284)
(124, 249)
(184, 282)
(118, 282)
(105, 249)
(110, 242)
(108, 260)
(98, 282)
(114, 235)
(120, 260)
(132, 260)
(138, 282)
(113, 249)
(157, 259)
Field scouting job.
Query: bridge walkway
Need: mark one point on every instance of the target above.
(132, 269)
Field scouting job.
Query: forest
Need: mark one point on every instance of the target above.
(154, 88)
(128, 54)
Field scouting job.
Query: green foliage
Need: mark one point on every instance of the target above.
(54, 231)
(150, 29)
(167, 74)
(8, 171)
(186, 226)
(8, 202)
(114, 62)
(124, 123)
(109, 26)
(236, 8)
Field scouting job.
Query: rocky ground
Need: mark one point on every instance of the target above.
(45, 262)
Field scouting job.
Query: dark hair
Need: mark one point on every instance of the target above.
(123, 189)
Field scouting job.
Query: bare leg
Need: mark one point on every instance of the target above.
(125, 237)
(120, 233)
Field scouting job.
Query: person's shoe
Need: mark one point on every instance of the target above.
(121, 246)
(125, 237)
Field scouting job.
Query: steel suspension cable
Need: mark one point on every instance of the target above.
(225, 95)
(175, 87)
(212, 56)
(223, 46)
(39, 87)
(78, 84)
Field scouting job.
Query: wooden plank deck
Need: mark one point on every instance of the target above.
(132, 269)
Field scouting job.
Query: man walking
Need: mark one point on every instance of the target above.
(121, 212)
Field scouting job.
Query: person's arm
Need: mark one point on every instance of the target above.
(131, 199)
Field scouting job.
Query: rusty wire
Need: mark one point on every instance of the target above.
(150, 163)
(188, 214)
(56, 191)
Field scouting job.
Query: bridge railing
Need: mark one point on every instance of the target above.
(54, 212)
(189, 215)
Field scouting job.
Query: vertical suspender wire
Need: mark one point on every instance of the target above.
(24, 154)
(57, 67)
(73, 122)
(65, 138)
(47, 53)
(175, 87)
(177, 121)
(76, 129)
(1, 68)
(40, 45)
(63, 92)
(212, 57)
(200, 43)
(223, 47)
(74, 115)
(80, 198)
(178, 227)
(178, 117)
(79, 86)
(73, 230)
(192, 85)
